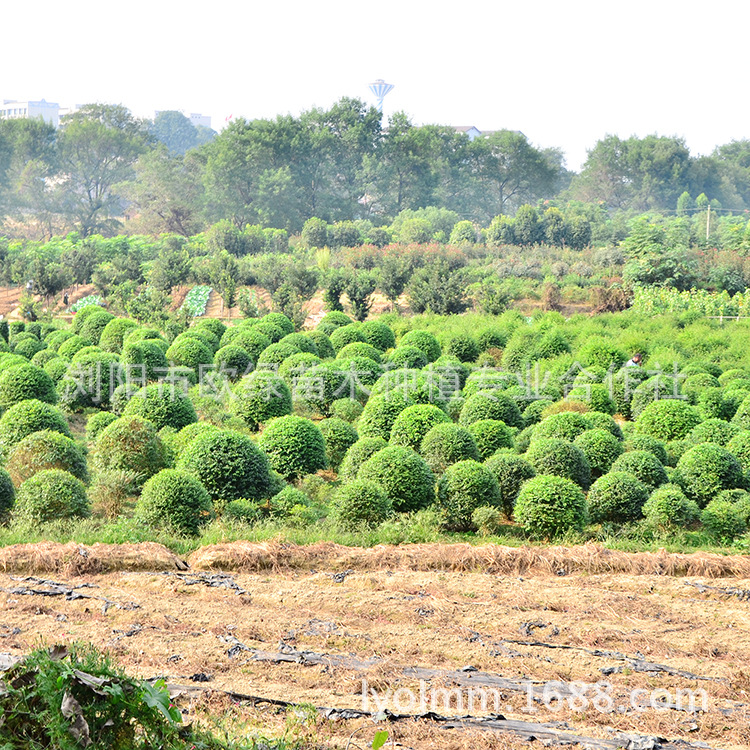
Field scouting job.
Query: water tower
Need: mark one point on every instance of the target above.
(380, 88)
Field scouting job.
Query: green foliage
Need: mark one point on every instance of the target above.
(713, 431)
(50, 495)
(176, 500)
(559, 458)
(464, 487)
(602, 353)
(668, 509)
(511, 471)
(404, 476)
(97, 422)
(7, 495)
(706, 470)
(380, 413)
(378, 334)
(424, 341)
(357, 454)
(636, 442)
(739, 447)
(24, 382)
(566, 425)
(407, 357)
(435, 288)
(339, 437)
(414, 422)
(446, 444)
(259, 397)
(601, 449)
(347, 409)
(164, 404)
(233, 361)
(548, 506)
(228, 464)
(114, 333)
(668, 419)
(617, 497)
(94, 325)
(129, 443)
(643, 465)
(723, 519)
(323, 344)
(294, 445)
(465, 348)
(42, 450)
(360, 503)
(359, 349)
(188, 351)
(490, 435)
(346, 334)
(490, 405)
(143, 357)
(27, 417)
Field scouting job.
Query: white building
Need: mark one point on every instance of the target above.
(48, 111)
(198, 119)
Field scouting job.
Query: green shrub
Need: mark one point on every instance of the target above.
(272, 356)
(656, 388)
(24, 382)
(187, 351)
(617, 497)
(413, 423)
(409, 357)
(360, 503)
(445, 444)
(280, 321)
(643, 465)
(233, 361)
(490, 405)
(27, 417)
(357, 376)
(533, 413)
(739, 447)
(566, 425)
(667, 508)
(492, 338)
(130, 443)
(175, 500)
(82, 316)
(560, 458)
(723, 520)
(143, 359)
(742, 415)
(339, 436)
(404, 476)
(319, 386)
(94, 325)
(464, 487)
(295, 446)
(422, 387)
(294, 367)
(301, 342)
(378, 335)
(56, 338)
(548, 506)
(114, 333)
(49, 496)
(422, 340)
(97, 422)
(28, 348)
(44, 450)
(360, 349)
(228, 464)
(41, 358)
(487, 519)
(271, 331)
(488, 379)
(357, 454)
(7, 495)
(668, 419)
(596, 395)
(511, 471)
(347, 409)
(323, 344)
(713, 431)
(70, 347)
(11, 360)
(380, 413)
(464, 348)
(261, 396)
(706, 470)
(252, 341)
(490, 435)
(347, 334)
(163, 404)
(600, 353)
(57, 369)
(601, 449)
(176, 442)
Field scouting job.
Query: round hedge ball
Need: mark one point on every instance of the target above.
(49, 496)
(404, 475)
(723, 520)
(739, 447)
(344, 335)
(490, 436)
(259, 397)
(643, 465)
(511, 471)
(617, 497)
(114, 334)
(94, 325)
(414, 422)
(548, 506)
(188, 351)
(357, 454)
(360, 349)
(360, 503)
(280, 321)
(228, 464)
(378, 334)
(706, 470)
(44, 450)
(347, 409)
(447, 444)
(27, 417)
(143, 359)
(7, 495)
(130, 443)
(491, 405)
(601, 449)
(668, 419)
(97, 422)
(176, 500)
(464, 347)
(668, 508)
(560, 458)
(339, 436)
(597, 420)
(636, 442)
(464, 487)
(164, 404)
(380, 413)
(713, 431)
(422, 340)
(295, 446)
(409, 357)
(566, 425)
(248, 339)
(24, 382)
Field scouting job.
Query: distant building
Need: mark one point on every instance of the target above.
(198, 119)
(471, 130)
(13, 110)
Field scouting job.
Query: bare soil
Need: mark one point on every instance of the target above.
(248, 633)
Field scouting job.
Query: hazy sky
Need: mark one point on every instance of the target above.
(564, 73)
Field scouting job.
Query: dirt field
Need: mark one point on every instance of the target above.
(313, 635)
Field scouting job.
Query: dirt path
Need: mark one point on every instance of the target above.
(312, 636)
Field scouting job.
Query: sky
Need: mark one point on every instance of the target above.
(564, 73)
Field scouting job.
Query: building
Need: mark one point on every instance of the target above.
(13, 110)
(198, 119)
(471, 130)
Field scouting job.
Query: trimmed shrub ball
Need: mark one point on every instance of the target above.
(319, 386)
(360, 349)
(600, 353)
(724, 520)
(302, 342)
(548, 506)
(7, 495)
(378, 335)
(511, 471)
(334, 319)
(601, 449)
(97, 422)
(668, 508)
(422, 340)
(51, 495)
(294, 367)
(273, 356)
(70, 347)
(464, 348)
(643, 465)
(446, 444)
(44, 450)
(360, 503)
(617, 497)
(739, 447)
(323, 344)
(533, 413)
(357, 454)
(280, 321)
(422, 387)
(636, 442)
(409, 357)
(491, 405)
(668, 419)
(130, 443)
(187, 351)
(490, 436)
(454, 372)
(174, 500)
(162, 404)
(706, 470)
(380, 413)
(656, 388)
(414, 422)
(143, 358)
(259, 397)
(566, 425)
(178, 441)
(27, 417)
(492, 338)
(253, 342)
(344, 335)
(25, 382)
(560, 458)
(347, 409)
(295, 446)
(464, 487)
(404, 476)
(489, 379)
(114, 334)
(29, 347)
(596, 395)
(94, 325)
(339, 436)
(713, 431)
(228, 464)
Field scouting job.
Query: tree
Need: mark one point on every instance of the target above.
(172, 266)
(175, 131)
(437, 289)
(359, 289)
(99, 145)
(223, 271)
(395, 271)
